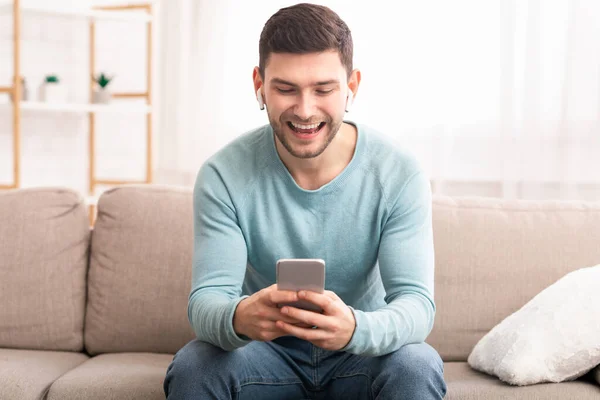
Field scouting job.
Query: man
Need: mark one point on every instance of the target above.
(310, 185)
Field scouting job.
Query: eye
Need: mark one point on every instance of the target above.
(285, 91)
(324, 92)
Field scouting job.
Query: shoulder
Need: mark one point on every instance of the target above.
(242, 151)
(238, 163)
(398, 170)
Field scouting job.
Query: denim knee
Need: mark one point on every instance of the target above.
(416, 369)
(198, 367)
(417, 359)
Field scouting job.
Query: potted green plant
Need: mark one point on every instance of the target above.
(51, 90)
(102, 93)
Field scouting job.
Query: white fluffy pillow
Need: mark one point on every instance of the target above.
(555, 337)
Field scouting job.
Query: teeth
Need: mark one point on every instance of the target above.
(313, 126)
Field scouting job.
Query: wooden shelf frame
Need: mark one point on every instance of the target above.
(96, 15)
(15, 92)
(81, 108)
(94, 181)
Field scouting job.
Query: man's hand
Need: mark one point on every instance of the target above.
(255, 316)
(335, 326)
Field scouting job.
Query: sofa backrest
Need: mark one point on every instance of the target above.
(493, 256)
(44, 238)
(140, 271)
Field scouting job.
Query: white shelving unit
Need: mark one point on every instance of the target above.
(75, 108)
(6, 7)
(132, 12)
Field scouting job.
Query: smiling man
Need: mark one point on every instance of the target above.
(310, 185)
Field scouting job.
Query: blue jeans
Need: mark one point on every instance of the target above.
(291, 368)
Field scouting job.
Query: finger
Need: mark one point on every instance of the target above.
(303, 333)
(322, 300)
(308, 317)
(276, 297)
(331, 294)
(274, 314)
(301, 325)
(269, 332)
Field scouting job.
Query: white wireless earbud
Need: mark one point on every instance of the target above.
(261, 101)
(349, 100)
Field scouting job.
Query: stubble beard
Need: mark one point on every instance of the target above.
(332, 127)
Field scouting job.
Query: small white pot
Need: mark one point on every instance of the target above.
(53, 93)
(102, 96)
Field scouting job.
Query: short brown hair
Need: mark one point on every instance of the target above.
(305, 28)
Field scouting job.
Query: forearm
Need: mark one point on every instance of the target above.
(407, 319)
(211, 317)
(218, 263)
(406, 264)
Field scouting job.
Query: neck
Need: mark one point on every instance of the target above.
(312, 173)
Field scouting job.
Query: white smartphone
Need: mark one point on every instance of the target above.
(301, 274)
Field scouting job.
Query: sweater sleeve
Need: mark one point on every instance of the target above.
(406, 264)
(219, 262)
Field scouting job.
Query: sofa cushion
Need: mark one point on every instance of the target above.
(494, 255)
(114, 376)
(44, 239)
(27, 374)
(140, 271)
(464, 383)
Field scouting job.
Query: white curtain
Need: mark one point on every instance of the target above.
(495, 97)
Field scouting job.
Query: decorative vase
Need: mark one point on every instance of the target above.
(51, 92)
(24, 91)
(102, 96)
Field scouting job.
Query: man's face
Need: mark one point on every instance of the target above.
(305, 96)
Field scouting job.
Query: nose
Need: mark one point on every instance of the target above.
(305, 107)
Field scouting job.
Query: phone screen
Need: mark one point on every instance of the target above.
(301, 274)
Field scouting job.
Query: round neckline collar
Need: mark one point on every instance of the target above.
(335, 182)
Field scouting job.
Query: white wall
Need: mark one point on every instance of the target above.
(495, 98)
(451, 126)
(54, 145)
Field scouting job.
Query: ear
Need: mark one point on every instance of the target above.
(258, 84)
(354, 82)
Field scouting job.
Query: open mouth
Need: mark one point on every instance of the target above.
(306, 130)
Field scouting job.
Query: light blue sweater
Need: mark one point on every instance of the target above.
(371, 225)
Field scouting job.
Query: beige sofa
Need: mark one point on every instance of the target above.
(98, 315)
